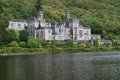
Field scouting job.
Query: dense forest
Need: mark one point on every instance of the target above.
(101, 15)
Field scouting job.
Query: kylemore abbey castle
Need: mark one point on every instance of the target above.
(53, 30)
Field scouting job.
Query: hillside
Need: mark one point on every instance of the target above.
(103, 16)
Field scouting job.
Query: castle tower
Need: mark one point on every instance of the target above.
(67, 16)
(40, 16)
(53, 24)
(67, 23)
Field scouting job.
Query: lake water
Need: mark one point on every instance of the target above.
(75, 66)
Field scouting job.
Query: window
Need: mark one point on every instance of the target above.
(42, 33)
(87, 32)
(11, 24)
(24, 24)
(65, 31)
(76, 25)
(75, 28)
(49, 31)
(37, 35)
(19, 25)
(25, 27)
(80, 33)
(60, 30)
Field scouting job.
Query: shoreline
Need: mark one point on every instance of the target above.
(20, 54)
(14, 51)
(42, 53)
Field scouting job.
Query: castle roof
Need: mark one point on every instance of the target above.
(39, 26)
(18, 20)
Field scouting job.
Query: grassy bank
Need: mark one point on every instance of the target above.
(12, 50)
(32, 46)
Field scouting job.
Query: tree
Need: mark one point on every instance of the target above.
(14, 35)
(23, 36)
(38, 5)
(32, 43)
(4, 36)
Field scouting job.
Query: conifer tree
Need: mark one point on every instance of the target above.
(38, 5)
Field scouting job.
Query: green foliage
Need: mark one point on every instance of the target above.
(53, 44)
(32, 43)
(71, 44)
(13, 9)
(82, 45)
(4, 38)
(88, 44)
(14, 35)
(116, 43)
(10, 9)
(107, 44)
(22, 44)
(23, 36)
(95, 43)
(13, 44)
(44, 42)
(40, 45)
(100, 15)
(38, 5)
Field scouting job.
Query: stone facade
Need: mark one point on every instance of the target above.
(53, 30)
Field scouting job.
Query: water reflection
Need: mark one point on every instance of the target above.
(60, 67)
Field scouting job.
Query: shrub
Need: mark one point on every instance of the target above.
(2, 51)
(40, 45)
(9, 49)
(32, 43)
(13, 44)
(44, 42)
(103, 48)
(107, 44)
(22, 44)
(71, 44)
(82, 45)
(95, 43)
(16, 49)
(53, 45)
(88, 45)
(116, 43)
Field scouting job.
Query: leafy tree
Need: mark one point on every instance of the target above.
(23, 36)
(38, 5)
(4, 38)
(13, 44)
(32, 43)
(14, 35)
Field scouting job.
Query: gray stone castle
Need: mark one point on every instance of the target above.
(53, 30)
